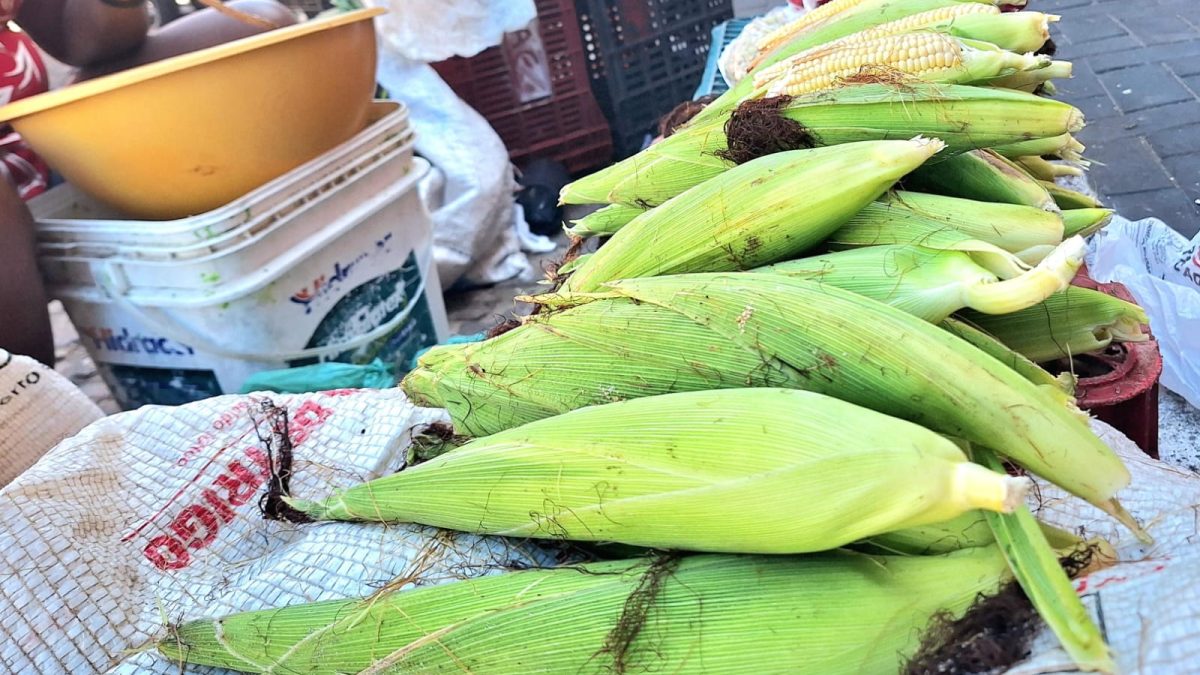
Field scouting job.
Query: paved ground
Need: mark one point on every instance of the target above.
(1137, 77)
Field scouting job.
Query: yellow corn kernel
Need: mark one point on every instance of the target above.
(914, 54)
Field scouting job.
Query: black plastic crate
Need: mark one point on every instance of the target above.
(645, 57)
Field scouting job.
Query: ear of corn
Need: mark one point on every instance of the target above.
(1074, 321)
(875, 227)
(963, 117)
(706, 331)
(820, 614)
(985, 176)
(1064, 146)
(1060, 388)
(1068, 199)
(1035, 566)
(1030, 80)
(861, 16)
(1085, 222)
(749, 216)
(925, 55)
(604, 222)
(1044, 170)
(1019, 32)
(970, 530)
(946, 222)
(933, 284)
(816, 473)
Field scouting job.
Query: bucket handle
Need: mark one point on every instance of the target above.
(191, 339)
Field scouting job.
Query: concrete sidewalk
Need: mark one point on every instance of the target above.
(1137, 78)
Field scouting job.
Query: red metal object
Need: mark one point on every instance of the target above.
(1123, 387)
(535, 91)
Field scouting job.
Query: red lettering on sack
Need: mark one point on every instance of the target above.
(167, 553)
(198, 525)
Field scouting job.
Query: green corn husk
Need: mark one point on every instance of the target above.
(1075, 321)
(984, 176)
(1069, 200)
(963, 117)
(936, 221)
(1030, 80)
(933, 284)
(816, 473)
(970, 530)
(604, 222)
(825, 614)
(1064, 146)
(709, 331)
(1085, 222)
(1035, 565)
(1013, 31)
(750, 216)
(861, 16)
(1061, 388)
(1045, 170)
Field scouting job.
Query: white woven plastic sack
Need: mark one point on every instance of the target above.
(1147, 606)
(1161, 268)
(38, 408)
(153, 517)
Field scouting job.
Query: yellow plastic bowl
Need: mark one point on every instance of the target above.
(188, 134)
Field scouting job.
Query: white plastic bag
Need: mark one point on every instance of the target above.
(152, 516)
(434, 30)
(470, 196)
(1161, 268)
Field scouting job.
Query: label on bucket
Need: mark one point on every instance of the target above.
(136, 386)
(374, 304)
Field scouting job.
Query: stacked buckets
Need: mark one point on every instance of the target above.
(329, 262)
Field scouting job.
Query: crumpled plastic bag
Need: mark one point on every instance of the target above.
(470, 194)
(434, 30)
(322, 377)
(1161, 268)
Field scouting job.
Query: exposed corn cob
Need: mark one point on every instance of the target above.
(933, 284)
(852, 17)
(1035, 565)
(1064, 146)
(963, 117)
(956, 224)
(690, 332)
(605, 221)
(1030, 80)
(1085, 222)
(1061, 388)
(1044, 170)
(928, 56)
(982, 175)
(1068, 199)
(749, 216)
(1019, 32)
(931, 20)
(819, 473)
(825, 614)
(1075, 321)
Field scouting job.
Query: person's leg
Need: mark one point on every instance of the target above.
(205, 28)
(24, 319)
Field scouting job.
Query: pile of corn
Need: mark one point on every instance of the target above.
(799, 363)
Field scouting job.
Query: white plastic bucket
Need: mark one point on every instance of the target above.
(350, 281)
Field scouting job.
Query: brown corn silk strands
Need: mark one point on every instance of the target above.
(237, 14)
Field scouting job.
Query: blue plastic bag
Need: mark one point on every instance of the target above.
(322, 377)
